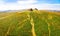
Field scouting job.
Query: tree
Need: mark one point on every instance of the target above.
(36, 9)
(31, 9)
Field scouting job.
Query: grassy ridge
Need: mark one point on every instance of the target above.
(20, 24)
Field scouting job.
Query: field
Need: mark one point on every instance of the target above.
(30, 23)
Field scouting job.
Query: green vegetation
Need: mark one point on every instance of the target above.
(30, 23)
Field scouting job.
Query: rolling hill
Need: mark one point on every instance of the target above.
(30, 23)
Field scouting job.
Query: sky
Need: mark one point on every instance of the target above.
(26, 4)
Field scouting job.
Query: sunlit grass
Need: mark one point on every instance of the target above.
(19, 23)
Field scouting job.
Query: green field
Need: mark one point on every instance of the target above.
(30, 23)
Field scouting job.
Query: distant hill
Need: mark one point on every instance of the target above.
(30, 23)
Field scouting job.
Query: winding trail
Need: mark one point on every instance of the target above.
(32, 24)
(6, 16)
(33, 30)
(8, 31)
(21, 24)
(48, 27)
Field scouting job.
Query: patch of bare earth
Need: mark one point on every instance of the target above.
(32, 24)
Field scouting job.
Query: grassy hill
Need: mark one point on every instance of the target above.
(30, 23)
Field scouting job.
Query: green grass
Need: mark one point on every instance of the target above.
(18, 24)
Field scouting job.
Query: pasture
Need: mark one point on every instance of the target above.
(30, 23)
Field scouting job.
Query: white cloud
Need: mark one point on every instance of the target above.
(1, 1)
(25, 5)
(27, 2)
(48, 6)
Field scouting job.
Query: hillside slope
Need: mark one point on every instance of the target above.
(28, 23)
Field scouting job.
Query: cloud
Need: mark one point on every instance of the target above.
(1, 2)
(26, 4)
(27, 1)
(48, 6)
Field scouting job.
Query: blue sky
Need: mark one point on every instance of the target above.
(25, 4)
(50, 1)
(39, 1)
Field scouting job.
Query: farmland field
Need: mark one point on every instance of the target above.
(30, 23)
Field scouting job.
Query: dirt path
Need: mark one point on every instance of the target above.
(6, 16)
(21, 24)
(48, 27)
(33, 30)
(32, 24)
